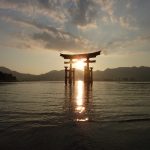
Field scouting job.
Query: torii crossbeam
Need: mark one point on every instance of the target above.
(88, 71)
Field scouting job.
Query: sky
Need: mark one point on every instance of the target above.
(33, 33)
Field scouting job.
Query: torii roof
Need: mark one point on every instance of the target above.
(80, 56)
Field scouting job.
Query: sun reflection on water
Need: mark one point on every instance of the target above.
(80, 103)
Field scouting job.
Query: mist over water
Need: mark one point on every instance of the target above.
(81, 114)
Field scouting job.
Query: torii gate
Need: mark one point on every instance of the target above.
(88, 71)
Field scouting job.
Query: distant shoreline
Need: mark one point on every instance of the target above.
(121, 74)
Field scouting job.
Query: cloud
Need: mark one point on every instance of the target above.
(125, 45)
(128, 5)
(107, 6)
(47, 37)
(88, 26)
(110, 8)
(86, 13)
(49, 8)
(125, 22)
(44, 23)
(83, 14)
(60, 42)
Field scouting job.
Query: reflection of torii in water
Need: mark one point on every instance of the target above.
(78, 101)
(88, 71)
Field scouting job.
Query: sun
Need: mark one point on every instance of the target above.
(79, 64)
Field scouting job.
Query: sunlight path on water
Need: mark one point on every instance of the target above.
(80, 108)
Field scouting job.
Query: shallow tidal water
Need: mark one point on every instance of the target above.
(49, 115)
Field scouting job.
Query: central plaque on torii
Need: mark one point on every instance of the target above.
(88, 71)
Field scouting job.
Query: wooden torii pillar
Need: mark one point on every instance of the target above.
(69, 73)
(88, 71)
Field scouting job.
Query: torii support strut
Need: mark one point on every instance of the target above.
(88, 71)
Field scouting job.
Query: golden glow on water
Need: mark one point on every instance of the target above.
(79, 93)
(80, 109)
(80, 104)
(85, 119)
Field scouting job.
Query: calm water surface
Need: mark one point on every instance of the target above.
(81, 112)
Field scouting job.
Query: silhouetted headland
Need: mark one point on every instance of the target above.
(5, 77)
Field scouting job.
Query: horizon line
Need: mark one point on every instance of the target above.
(76, 69)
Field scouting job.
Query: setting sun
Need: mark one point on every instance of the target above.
(79, 64)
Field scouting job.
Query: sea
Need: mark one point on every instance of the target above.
(51, 116)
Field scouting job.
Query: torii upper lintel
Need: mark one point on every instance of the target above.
(80, 56)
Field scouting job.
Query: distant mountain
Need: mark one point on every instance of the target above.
(124, 74)
(19, 76)
(53, 75)
(116, 74)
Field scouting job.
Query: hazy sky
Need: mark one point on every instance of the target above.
(34, 32)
